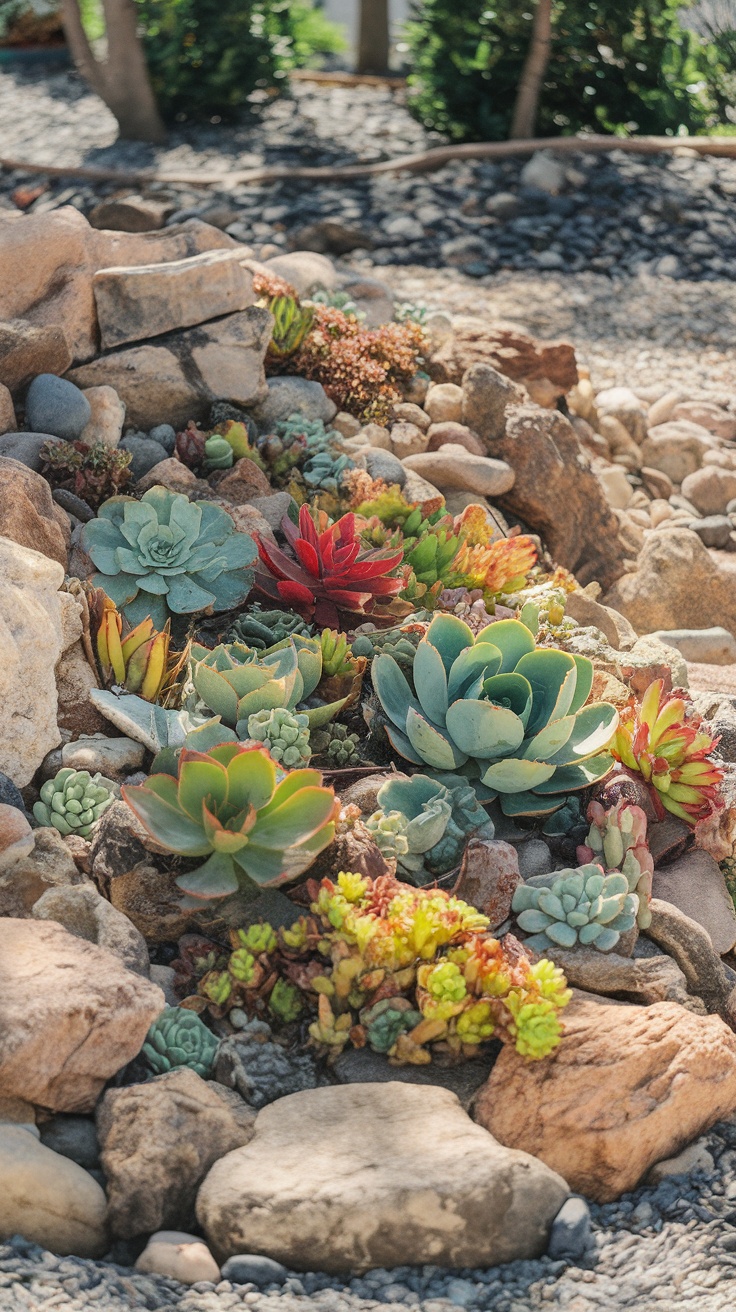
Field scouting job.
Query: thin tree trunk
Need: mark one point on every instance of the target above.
(373, 38)
(122, 81)
(526, 107)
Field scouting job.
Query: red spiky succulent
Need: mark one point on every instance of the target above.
(330, 571)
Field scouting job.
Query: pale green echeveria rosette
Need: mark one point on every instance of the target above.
(498, 709)
(425, 825)
(165, 554)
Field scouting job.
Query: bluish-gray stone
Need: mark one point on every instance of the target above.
(252, 1269)
(570, 1233)
(25, 448)
(385, 465)
(54, 405)
(165, 434)
(289, 395)
(146, 455)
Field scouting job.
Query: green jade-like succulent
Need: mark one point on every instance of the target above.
(179, 1038)
(401, 643)
(284, 734)
(218, 453)
(261, 629)
(73, 801)
(579, 906)
(167, 555)
(341, 748)
(500, 709)
(425, 825)
(386, 1020)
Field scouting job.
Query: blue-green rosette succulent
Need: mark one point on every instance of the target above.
(179, 1038)
(425, 825)
(167, 555)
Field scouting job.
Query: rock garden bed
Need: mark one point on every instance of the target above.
(367, 807)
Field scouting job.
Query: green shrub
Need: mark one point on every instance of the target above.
(206, 58)
(616, 66)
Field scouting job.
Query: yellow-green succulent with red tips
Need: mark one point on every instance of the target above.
(664, 743)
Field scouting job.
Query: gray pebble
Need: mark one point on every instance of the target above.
(166, 435)
(54, 405)
(146, 454)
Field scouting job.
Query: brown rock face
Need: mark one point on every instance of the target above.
(512, 352)
(488, 878)
(678, 583)
(28, 515)
(28, 349)
(627, 1087)
(71, 1015)
(243, 482)
(158, 1141)
(48, 865)
(557, 494)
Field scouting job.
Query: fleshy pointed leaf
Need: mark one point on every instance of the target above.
(483, 730)
(156, 805)
(216, 878)
(433, 746)
(517, 776)
(392, 690)
(430, 681)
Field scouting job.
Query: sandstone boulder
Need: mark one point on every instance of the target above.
(81, 910)
(511, 351)
(721, 423)
(676, 448)
(48, 866)
(627, 1087)
(47, 1198)
(28, 349)
(158, 1142)
(365, 1192)
(178, 1256)
(677, 583)
(710, 489)
(28, 514)
(452, 466)
(695, 885)
(71, 1015)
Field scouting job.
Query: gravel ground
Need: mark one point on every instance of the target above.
(664, 1248)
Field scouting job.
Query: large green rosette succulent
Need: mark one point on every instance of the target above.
(167, 555)
(497, 708)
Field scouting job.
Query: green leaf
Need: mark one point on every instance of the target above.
(290, 785)
(400, 793)
(584, 683)
(434, 747)
(401, 744)
(392, 690)
(216, 878)
(144, 605)
(551, 739)
(553, 677)
(120, 588)
(483, 730)
(594, 727)
(187, 596)
(513, 640)
(251, 779)
(430, 681)
(156, 805)
(208, 735)
(294, 820)
(201, 782)
(476, 662)
(511, 689)
(229, 588)
(531, 804)
(450, 636)
(571, 778)
(320, 715)
(101, 540)
(216, 692)
(517, 776)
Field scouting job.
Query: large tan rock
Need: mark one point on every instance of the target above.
(150, 299)
(28, 514)
(71, 1015)
(31, 641)
(710, 489)
(556, 493)
(627, 1087)
(343, 1178)
(158, 1142)
(47, 1198)
(179, 376)
(678, 583)
(48, 865)
(511, 351)
(28, 349)
(677, 448)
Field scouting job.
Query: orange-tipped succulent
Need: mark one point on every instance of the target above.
(138, 661)
(671, 752)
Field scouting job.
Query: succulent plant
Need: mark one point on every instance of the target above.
(218, 453)
(138, 662)
(323, 471)
(292, 322)
(235, 681)
(329, 573)
(582, 906)
(667, 747)
(73, 801)
(341, 748)
(179, 1038)
(425, 825)
(259, 628)
(500, 567)
(617, 840)
(232, 806)
(336, 653)
(284, 734)
(165, 554)
(386, 1020)
(401, 643)
(511, 714)
(339, 301)
(90, 472)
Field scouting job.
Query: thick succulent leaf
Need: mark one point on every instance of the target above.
(156, 805)
(593, 730)
(114, 509)
(513, 640)
(450, 636)
(277, 692)
(512, 690)
(514, 775)
(430, 681)
(550, 740)
(309, 660)
(320, 715)
(513, 804)
(584, 683)
(187, 596)
(483, 730)
(409, 795)
(199, 782)
(229, 589)
(251, 778)
(144, 605)
(216, 692)
(571, 778)
(101, 540)
(120, 588)
(401, 744)
(428, 829)
(216, 878)
(295, 819)
(289, 785)
(215, 525)
(224, 752)
(155, 584)
(533, 921)
(227, 840)
(553, 676)
(208, 735)
(476, 662)
(392, 690)
(434, 747)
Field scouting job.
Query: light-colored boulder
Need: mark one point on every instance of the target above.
(71, 1015)
(49, 864)
(159, 1140)
(710, 489)
(624, 405)
(47, 1198)
(627, 1087)
(113, 757)
(616, 486)
(306, 271)
(676, 448)
(81, 910)
(452, 466)
(178, 1256)
(340, 1179)
(107, 418)
(677, 583)
(151, 299)
(694, 884)
(443, 402)
(661, 410)
(693, 1158)
(721, 423)
(8, 421)
(27, 513)
(408, 439)
(715, 646)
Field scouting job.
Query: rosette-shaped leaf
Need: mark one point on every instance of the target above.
(283, 734)
(508, 712)
(330, 571)
(179, 1038)
(668, 748)
(260, 628)
(236, 682)
(234, 806)
(73, 801)
(579, 906)
(431, 821)
(165, 554)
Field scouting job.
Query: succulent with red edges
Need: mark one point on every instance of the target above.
(330, 571)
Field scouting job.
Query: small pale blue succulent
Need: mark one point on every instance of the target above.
(425, 825)
(576, 906)
(165, 554)
(179, 1038)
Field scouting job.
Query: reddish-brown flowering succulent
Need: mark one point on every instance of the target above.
(93, 473)
(330, 571)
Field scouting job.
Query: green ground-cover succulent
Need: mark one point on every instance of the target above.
(582, 906)
(424, 825)
(179, 1038)
(499, 709)
(73, 801)
(261, 629)
(284, 734)
(165, 555)
(232, 806)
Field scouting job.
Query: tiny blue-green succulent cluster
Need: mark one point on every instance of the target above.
(424, 824)
(581, 906)
(179, 1038)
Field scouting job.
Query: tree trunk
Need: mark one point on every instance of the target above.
(122, 81)
(526, 107)
(373, 39)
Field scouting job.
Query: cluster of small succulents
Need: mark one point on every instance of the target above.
(336, 746)
(284, 734)
(401, 642)
(261, 629)
(93, 473)
(73, 801)
(617, 840)
(583, 906)
(424, 825)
